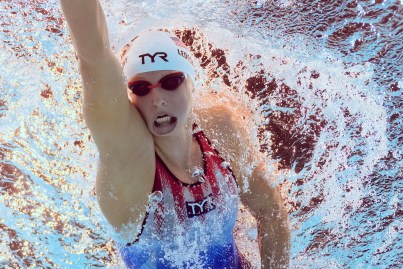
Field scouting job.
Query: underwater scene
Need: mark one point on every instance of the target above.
(323, 80)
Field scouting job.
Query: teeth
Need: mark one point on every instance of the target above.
(164, 119)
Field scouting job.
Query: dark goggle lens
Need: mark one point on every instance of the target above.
(172, 82)
(140, 88)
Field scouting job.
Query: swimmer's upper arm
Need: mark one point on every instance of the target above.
(230, 128)
(114, 123)
(101, 72)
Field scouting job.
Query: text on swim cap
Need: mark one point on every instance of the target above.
(163, 56)
(185, 55)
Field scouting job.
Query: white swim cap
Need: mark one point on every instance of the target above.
(158, 51)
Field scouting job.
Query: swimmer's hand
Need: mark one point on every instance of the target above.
(88, 28)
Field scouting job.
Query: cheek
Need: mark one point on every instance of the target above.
(131, 97)
(141, 109)
(140, 106)
(134, 100)
(190, 86)
(189, 96)
(185, 101)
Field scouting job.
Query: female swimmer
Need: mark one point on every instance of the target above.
(160, 182)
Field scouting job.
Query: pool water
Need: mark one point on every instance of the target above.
(322, 78)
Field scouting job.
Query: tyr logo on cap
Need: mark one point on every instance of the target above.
(162, 55)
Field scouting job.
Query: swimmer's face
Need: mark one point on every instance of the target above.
(163, 111)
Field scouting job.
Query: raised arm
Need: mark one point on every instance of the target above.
(117, 127)
(107, 110)
(106, 106)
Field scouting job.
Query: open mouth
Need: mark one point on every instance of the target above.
(164, 120)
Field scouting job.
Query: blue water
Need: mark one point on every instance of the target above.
(324, 81)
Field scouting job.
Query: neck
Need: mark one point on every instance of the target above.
(176, 149)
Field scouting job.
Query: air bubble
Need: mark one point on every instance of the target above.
(155, 197)
(225, 164)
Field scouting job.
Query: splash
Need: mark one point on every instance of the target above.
(321, 81)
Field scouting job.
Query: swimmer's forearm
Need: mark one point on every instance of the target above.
(88, 28)
(274, 238)
(267, 206)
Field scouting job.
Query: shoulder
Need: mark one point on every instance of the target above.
(231, 128)
(224, 115)
(221, 123)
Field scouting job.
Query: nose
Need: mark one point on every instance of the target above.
(158, 99)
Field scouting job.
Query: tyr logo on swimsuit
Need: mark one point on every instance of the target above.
(163, 56)
(198, 208)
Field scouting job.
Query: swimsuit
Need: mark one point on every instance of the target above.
(189, 225)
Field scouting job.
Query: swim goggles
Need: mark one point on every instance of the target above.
(169, 82)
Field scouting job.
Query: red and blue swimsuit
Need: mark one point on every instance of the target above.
(189, 225)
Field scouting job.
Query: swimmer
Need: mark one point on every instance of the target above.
(161, 183)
